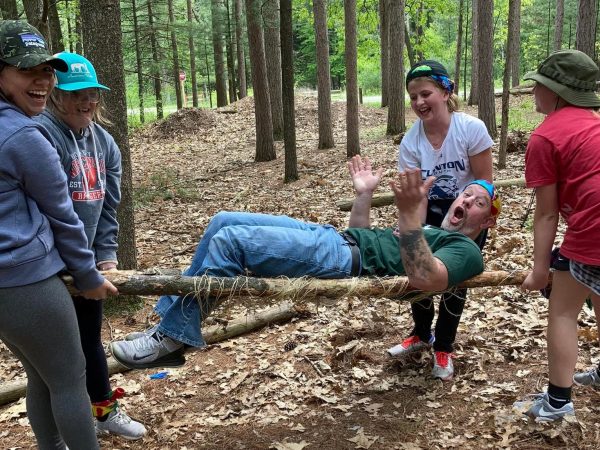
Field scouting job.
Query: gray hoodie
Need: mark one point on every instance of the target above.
(39, 231)
(92, 162)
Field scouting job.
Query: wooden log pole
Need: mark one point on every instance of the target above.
(295, 289)
(388, 198)
(11, 391)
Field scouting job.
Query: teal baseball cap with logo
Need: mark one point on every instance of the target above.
(80, 74)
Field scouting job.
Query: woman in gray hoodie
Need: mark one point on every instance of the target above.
(92, 162)
(40, 235)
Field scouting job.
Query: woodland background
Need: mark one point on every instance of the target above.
(285, 93)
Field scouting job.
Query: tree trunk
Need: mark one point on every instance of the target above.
(514, 7)
(409, 48)
(101, 22)
(395, 119)
(458, 47)
(36, 12)
(78, 32)
(487, 109)
(230, 59)
(586, 28)
(239, 37)
(207, 66)
(175, 53)
(385, 51)
(192, 46)
(270, 16)
(156, 70)
(475, 35)
(9, 9)
(265, 150)
(138, 60)
(216, 12)
(465, 60)
(350, 57)
(515, 48)
(56, 37)
(69, 25)
(287, 87)
(558, 24)
(323, 74)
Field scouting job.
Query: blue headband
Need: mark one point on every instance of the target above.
(489, 187)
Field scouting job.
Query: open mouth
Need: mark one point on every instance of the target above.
(458, 214)
(38, 95)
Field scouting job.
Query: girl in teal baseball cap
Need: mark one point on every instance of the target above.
(92, 162)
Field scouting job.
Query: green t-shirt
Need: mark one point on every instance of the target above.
(380, 252)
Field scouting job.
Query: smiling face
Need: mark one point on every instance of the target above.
(77, 108)
(427, 99)
(470, 212)
(28, 89)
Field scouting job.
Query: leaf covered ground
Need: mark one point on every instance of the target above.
(323, 380)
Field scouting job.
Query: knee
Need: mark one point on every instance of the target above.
(222, 219)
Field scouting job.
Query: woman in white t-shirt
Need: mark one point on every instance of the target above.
(455, 148)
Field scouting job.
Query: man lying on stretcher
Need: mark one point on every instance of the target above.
(270, 246)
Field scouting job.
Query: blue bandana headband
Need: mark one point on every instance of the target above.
(446, 82)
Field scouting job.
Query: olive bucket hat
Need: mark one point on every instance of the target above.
(23, 46)
(571, 75)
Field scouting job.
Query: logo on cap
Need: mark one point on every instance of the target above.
(32, 40)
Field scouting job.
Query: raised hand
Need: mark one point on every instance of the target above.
(410, 191)
(363, 177)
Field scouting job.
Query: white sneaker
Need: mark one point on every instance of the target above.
(138, 334)
(144, 352)
(120, 424)
(589, 378)
(411, 344)
(443, 368)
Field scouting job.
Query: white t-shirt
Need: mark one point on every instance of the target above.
(467, 136)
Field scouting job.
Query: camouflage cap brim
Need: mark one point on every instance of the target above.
(35, 59)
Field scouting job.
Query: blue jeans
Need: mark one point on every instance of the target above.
(268, 246)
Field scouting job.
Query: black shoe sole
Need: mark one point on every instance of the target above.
(174, 359)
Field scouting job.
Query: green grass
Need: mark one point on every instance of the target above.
(165, 185)
(523, 116)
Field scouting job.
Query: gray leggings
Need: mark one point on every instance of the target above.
(38, 324)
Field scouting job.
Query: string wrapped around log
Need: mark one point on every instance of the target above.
(296, 289)
(388, 198)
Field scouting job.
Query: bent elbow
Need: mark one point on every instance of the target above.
(428, 284)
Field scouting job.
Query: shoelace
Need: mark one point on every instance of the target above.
(411, 340)
(442, 358)
(121, 418)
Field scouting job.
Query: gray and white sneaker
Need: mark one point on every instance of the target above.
(589, 378)
(144, 352)
(542, 411)
(138, 334)
(120, 424)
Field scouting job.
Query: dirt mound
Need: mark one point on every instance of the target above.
(184, 121)
(517, 141)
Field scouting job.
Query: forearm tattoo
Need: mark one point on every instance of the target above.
(416, 254)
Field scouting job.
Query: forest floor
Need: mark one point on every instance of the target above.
(323, 381)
